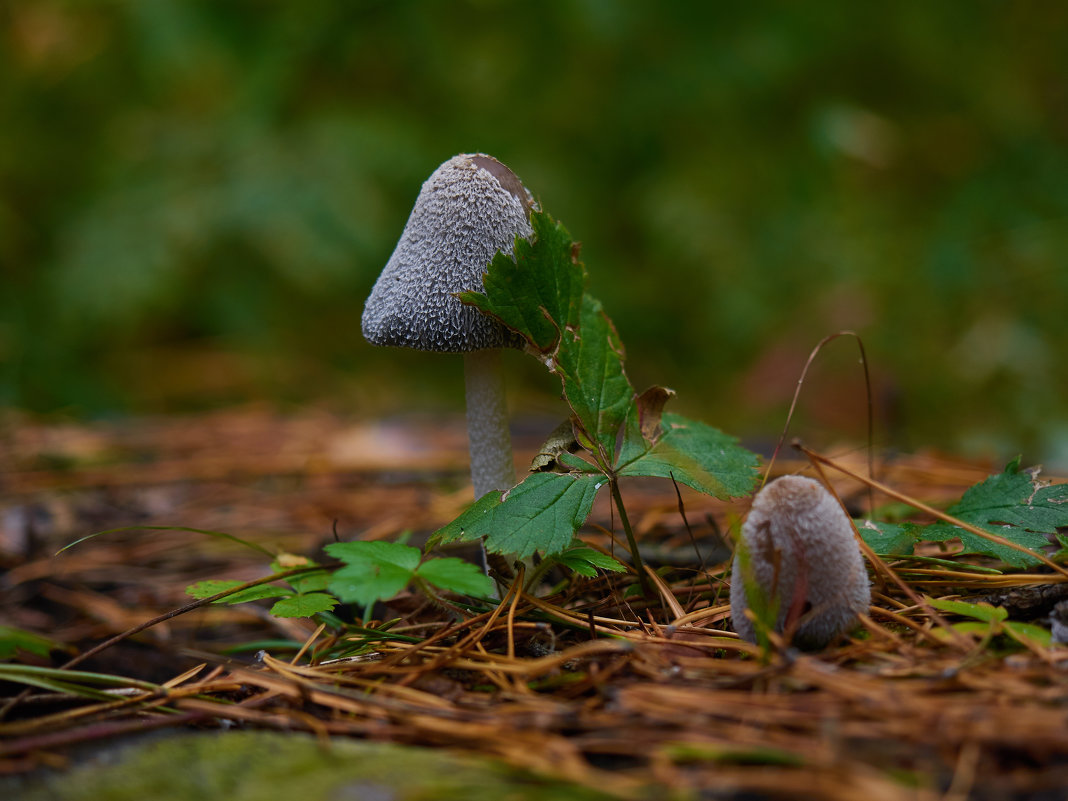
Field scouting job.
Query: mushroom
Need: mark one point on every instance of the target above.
(469, 209)
(800, 549)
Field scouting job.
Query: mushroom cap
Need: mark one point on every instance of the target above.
(470, 208)
(800, 541)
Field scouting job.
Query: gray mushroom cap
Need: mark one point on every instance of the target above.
(470, 208)
(800, 542)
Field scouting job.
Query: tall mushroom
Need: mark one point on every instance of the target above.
(802, 554)
(470, 208)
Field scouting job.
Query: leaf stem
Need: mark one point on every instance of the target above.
(436, 599)
(537, 573)
(632, 543)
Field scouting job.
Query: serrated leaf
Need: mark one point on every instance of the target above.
(456, 575)
(364, 584)
(692, 453)
(372, 571)
(304, 605)
(538, 292)
(541, 514)
(540, 295)
(889, 539)
(580, 566)
(470, 520)
(585, 561)
(206, 589)
(392, 553)
(590, 365)
(1012, 505)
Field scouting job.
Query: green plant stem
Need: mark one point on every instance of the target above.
(182, 610)
(424, 586)
(632, 543)
(537, 572)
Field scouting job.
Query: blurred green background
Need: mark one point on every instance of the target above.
(196, 196)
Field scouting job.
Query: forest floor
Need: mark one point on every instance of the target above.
(610, 694)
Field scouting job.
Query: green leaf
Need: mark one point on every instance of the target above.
(257, 593)
(541, 514)
(540, 295)
(537, 293)
(473, 519)
(373, 570)
(590, 365)
(976, 627)
(72, 682)
(364, 584)
(692, 453)
(1022, 632)
(13, 640)
(889, 539)
(984, 612)
(310, 582)
(585, 560)
(206, 589)
(392, 553)
(456, 575)
(304, 605)
(1012, 505)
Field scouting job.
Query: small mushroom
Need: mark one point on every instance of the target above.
(801, 551)
(469, 209)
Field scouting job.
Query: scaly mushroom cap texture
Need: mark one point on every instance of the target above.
(802, 552)
(470, 208)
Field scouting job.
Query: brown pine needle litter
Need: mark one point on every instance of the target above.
(636, 697)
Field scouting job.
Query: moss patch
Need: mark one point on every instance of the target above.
(252, 766)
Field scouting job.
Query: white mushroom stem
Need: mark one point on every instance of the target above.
(489, 440)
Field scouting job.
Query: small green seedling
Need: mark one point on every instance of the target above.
(539, 293)
(535, 296)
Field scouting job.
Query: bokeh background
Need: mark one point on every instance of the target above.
(197, 195)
